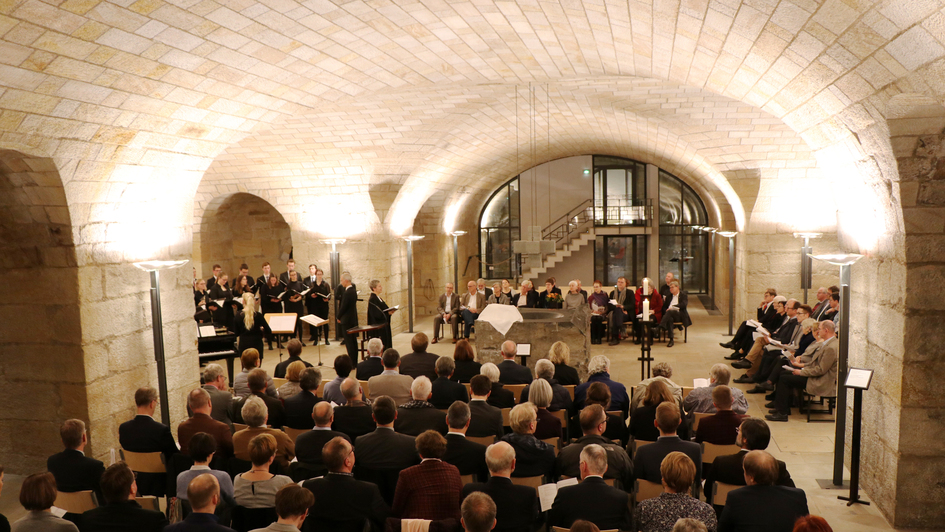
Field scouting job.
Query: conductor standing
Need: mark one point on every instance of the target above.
(348, 315)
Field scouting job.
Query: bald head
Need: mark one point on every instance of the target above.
(760, 468)
(203, 492)
(322, 414)
(500, 459)
(509, 349)
(351, 389)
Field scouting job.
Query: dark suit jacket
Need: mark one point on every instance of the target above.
(468, 456)
(204, 423)
(594, 501)
(221, 403)
(348, 311)
(369, 367)
(500, 397)
(341, 498)
(763, 509)
(276, 410)
(485, 420)
(308, 446)
(728, 469)
(683, 306)
(143, 434)
(511, 372)
(74, 471)
(199, 523)
(446, 391)
(298, 410)
(283, 366)
(720, 428)
(517, 507)
(647, 460)
(417, 364)
(618, 463)
(385, 449)
(121, 517)
(354, 420)
(414, 421)
(430, 490)
(532, 299)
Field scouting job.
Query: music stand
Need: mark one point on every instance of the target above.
(858, 379)
(316, 322)
(281, 323)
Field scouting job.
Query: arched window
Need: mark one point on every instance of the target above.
(684, 250)
(499, 226)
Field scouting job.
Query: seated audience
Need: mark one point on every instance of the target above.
(478, 513)
(510, 371)
(548, 424)
(625, 308)
(593, 424)
(447, 312)
(598, 303)
(642, 425)
(753, 435)
(372, 365)
(817, 378)
(445, 390)
(527, 297)
(661, 372)
(143, 434)
(486, 419)
(202, 449)
(384, 449)
(560, 356)
(517, 507)
(574, 298)
(560, 399)
(294, 348)
(120, 512)
(720, 428)
(465, 359)
(339, 497)
(275, 410)
(470, 305)
(255, 413)
(37, 495)
(675, 310)
(761, 505)
(430, 490)
(500, 397)
(700, 399)
(308, 445)
(419, 414)
(419, 363)
(73, 470)
(592, 499)
(214, 378)
(533, 456)
(498, 296)
(257, 487)
(298, 408)
(468, 456)
(599, 394)
(765, 381)
(648, 458)
(204, 496)
(199, 402)
(390, 382)
(811, 523)
(598, 370)
(354, 418)
(661, 513)
(293, 375)
(332, 392)
(250, 360)
(292, 507)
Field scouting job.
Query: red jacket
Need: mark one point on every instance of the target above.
(656, 303)
(431, 490)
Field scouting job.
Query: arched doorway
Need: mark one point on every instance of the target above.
(42, 373)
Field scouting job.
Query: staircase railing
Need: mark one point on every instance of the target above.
(564, 229)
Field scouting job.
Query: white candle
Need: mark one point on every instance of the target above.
(646, 287)
(646, 309)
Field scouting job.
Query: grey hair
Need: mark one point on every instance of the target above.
(509, 348)
(499, 457)
(457, 415)
(808, 325)
(688, 524)
(545, 369)
(480, 280)
(375, 347)
(662, 369)
(596, 459)
(421, 388)
(490, 370)
(528, 283)
(572, 284)
(255, 412)
(345, 276)
(720, 374)
(211, 372)
(598, 364)
(445, 366)
(539, 393)
(350, 388)
(373, 284)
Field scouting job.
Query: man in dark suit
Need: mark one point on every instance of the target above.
(483, 289)
(263, 280)
(257, 387)
(510, 371)
(214, 378)
(418, 415)
(647, 460)
(73, 470)
(290, 267)
(761, 506)
(447, 312)
(385, 449)
(517, 507)
(431, 489)
(720, 428)
(199, 402)
(120, 512)
(339, 498)
(766, 315)
(295, 355)
(592, 499)
(217, 270)
(419, 363)
(593, 424)
(145, 435)
(298, 408)
(753, 435)
(486, 420)
(203, 493)
(527, 297)
(353, 418)
(373, 365)
(308, 445)
(675, 310)
(468, 456)
(348, 315)
(444, 390)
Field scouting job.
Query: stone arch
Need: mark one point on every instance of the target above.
(41, 338)
(240, 228)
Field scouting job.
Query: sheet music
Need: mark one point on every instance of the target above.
(548, 492)
(312, 320)
(282, 324)
(303, 292)
(523, 350)
(700, 383)
(205, 331)
(393, 309)
(219, 302)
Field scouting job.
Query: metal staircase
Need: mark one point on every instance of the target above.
(570, 233)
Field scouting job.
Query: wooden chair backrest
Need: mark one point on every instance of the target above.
(720, 492)
(279, 382)
(76, 502)
(506, 412)
(149, 502)
(321, 389)
(293, 433)
(144, 462)
(528, 481)
(686, 390)
(710, 451)
(640, 443)
(563, 416)
(468, 389)
(365, 388)
(647, 490)
(516, 390)
(699, 417)
(239, 426)
(570, 388)
(482, 440)
(553, 442)
(467, 479)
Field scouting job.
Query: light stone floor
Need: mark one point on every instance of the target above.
(807, 448)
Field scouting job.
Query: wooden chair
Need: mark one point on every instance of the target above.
(321, 389)
(279, 382)
(639, 443)
(506, 412)
(685, 329)
(711, 450)
(467, 479)
(618, 413)
(686, 390)
(516, 390)
(698, 416)
(365, 388)
(554, 442)
(570, 388)
(644, 489)
(76, 502)
(144, 462)
(239, 426)
(468, 388)
(149, 502)
(563, 416)
(482, 440)
(293, 433)
(720, 492)
(529, 481)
